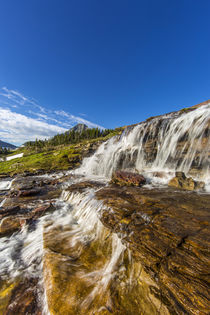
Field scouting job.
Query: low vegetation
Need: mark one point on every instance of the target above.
(58, 153)
(69, 137)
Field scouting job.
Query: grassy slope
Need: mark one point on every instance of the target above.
(58, 158)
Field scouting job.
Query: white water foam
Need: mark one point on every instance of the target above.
(2, 202)
(129, 151)
(21, 254)
(86, 213)
(6, 184)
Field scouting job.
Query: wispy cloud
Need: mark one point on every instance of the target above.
(22, 118)
(74, 119)
(18, 128)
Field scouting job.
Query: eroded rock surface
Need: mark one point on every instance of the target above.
(168, 232)
(79, 280)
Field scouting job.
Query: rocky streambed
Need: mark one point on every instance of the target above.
(168, 233)
(75, 245)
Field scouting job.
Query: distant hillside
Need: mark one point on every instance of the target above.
(79, 128)
(74, 135)
(7, 145)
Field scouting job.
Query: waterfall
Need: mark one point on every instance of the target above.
(22, 254)
(176, 141)
(94, 261)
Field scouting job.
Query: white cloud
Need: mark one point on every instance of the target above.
(14, 96)
(18, 128)
(31, 120)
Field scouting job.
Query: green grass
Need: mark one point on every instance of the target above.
(52, 160)
(62, 157)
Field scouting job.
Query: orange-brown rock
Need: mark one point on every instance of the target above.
(24, 298)
(168, 232)
(73, 277)
(8, 225)
(123, 178)
(182, 182)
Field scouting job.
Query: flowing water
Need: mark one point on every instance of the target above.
(6, 184)
(171, 143)
(79, 233)
(72, 242)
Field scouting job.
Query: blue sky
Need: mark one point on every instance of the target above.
(107, 63)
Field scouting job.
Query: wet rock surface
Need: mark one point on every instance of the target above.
(168, 232)
(76, 272)
(28, 199)
(9, 225)
(27, 192)
(188, 183)
(83, 185)
(24, 298)
(123, 178)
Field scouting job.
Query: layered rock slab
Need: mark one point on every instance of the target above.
(168, 232)
(80, 279)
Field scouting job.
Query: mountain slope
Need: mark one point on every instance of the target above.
(7, 145)
(79, 128)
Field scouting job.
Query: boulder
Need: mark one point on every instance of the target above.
(123, 178)
(182, 182)
(14, 218)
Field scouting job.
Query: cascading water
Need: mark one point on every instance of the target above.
(177, 141)
(98, 266)
(97, 271)
(74, 224)
(5, 184)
